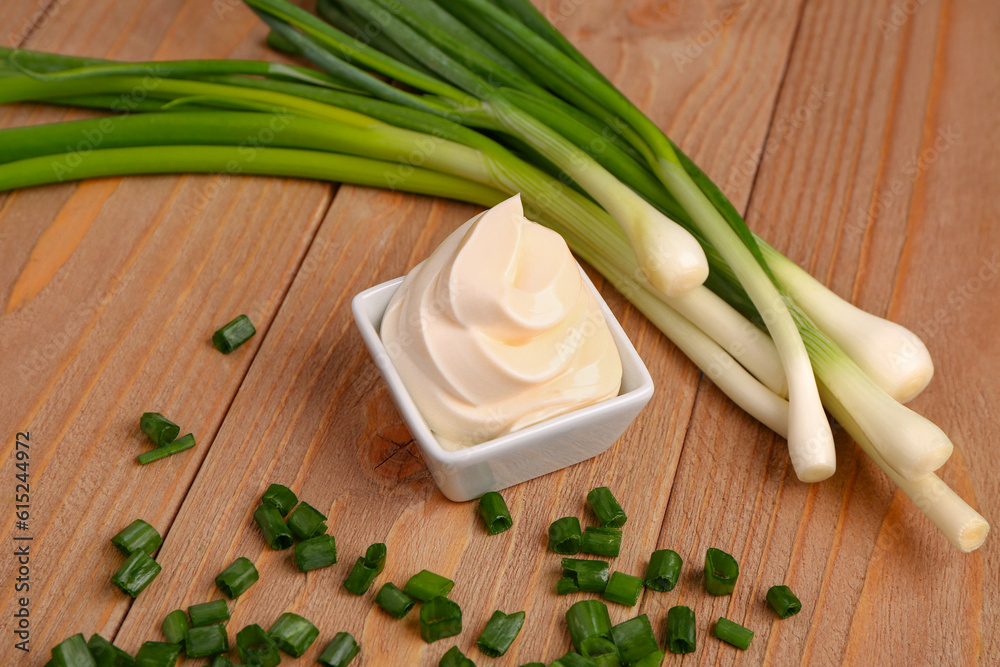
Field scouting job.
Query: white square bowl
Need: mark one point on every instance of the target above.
(524, 454)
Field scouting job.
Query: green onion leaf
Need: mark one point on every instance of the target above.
(494, 513)
(425, 585)
(340, 651)
(634, 638)
(315, 553)
(571, 659)
(175, 447)
(72, 652)
(375, 557)
(589, 626)
(606, 508)
(664, 570)
(500, 632)
(221, 661)
(293, 634)
(564, 536)
(137, 536)
(273, 526)
(733, 633)
(566, 585)
(160, 430)
(237, 578)
(589, 575)
(360, 578)
(208, 613)
(255, 647)
(394, 601)
(721, 572)
(439, 618)
(137, 572)
(234, 334)
(681, 630)
(783, 601)
(281, 497)
(158, 654)
(107, 654)
(206, 641)
(601, 541)
(623, 588)
(653, 659)
(175, 626)
(306, 521)
(454, 657)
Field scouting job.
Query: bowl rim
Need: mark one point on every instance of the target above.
(368, 317)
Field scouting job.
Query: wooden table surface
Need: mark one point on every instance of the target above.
(859, 137)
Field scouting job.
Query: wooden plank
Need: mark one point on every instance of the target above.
(109, 293)
(851, 187)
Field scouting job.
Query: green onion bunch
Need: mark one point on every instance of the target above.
(491, 101)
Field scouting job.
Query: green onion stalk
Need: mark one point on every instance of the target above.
(586, 164)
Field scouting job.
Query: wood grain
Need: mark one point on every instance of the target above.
(813, 117)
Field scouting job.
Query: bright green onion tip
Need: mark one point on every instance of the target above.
(623, 589)
(733, 633)
(340, 651)
(160, 430)
(315, 553)
(425, 585)
(394, 601)
(234, 334)
(73, 652)
(439, 618)
(175, 626)
(681, 632)
(208, 613)
(137, 572)
(137, 536)
(158, 654)
(237, 578)
(606, 508)
(494, 513)
(175, 447)
(500, 632)
(565, 537)
(273, 527)
(783, 601)
(281, 497)
(255, 647)
(454, 657)
(664, 570)
(106, 654)
(634, 638)
(305, 520)
(721, 572)
(206, 641)
(602, 541)
(293, 634)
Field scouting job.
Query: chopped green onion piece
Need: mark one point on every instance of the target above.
(439, 618)
(565, 586)
(360, 578)
(237, 578)
(454, 657)
(623, 588)
(634, 638)
(137, 572)
(158, 654)
(393, 600)
(721, 572)
(606, 659)
(425, 585)
(137, 536)
(733, 633)
(315, 553)
(160, 430)
(572, 659)
(234, 334)
(340, 651)
(606, 508)
(208, 613)
(273, 527)
(500, 632)
(375, 557)
(175, 447)
(305, 520)
(293, 634)
(564, 536)
(107, 654)
(589, 575)
(175, 626)
(255, 647)
(72, 652)
(664, 570)
(680, 630)
(588, 621)
(281, 497)
(221, 661)
(783, 601)
(601, 541)
(654, 659)
(206, 641)
(494, 512)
